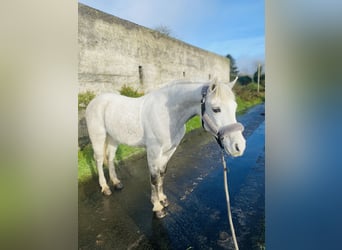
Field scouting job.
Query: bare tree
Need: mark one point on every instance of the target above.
(164, 30)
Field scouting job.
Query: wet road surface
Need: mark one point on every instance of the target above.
(197, 214)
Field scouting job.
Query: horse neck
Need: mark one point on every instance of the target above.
(185, 101)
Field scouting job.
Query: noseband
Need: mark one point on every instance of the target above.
(218, 133)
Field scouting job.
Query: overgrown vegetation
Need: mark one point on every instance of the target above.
(129, 91)
(246, 97)
(86, 163)
(84, 99)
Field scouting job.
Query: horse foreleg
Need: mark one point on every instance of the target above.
(158, 208)
(162, 197)
(157, 162)
(165, 159)
(157, 168)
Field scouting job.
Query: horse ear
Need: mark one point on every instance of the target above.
(213, 86)
(231, 84)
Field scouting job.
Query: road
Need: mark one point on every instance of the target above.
(197, 214)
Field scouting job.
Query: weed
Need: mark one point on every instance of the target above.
(130, 92)
(84, 99)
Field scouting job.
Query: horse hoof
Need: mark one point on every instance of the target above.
(106, 191)
(160, 214)
(165, 203)
(118, 186)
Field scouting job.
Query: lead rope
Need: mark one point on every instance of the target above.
(228, 202)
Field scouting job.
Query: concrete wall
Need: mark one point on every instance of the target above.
(114, 52)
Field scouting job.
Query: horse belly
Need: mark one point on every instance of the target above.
(123, 122)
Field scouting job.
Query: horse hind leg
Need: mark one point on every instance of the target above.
(111, 150)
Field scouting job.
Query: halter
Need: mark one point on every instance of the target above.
(218, 133)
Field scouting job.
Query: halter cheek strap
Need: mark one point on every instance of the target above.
(204, 95)
(218, 133)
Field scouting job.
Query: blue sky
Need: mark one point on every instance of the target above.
(224, 27)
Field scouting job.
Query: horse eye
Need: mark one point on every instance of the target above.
(216, 110)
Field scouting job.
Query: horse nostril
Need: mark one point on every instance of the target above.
(237, 147)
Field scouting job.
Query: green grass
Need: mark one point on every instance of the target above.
(125, 152)
(246, 97)
(86, 163)
(193, 123)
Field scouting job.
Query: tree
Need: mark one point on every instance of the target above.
(164, 30)
(233, 68)
(244, 79)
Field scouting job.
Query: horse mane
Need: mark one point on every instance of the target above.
(223, 91)
(168, 85)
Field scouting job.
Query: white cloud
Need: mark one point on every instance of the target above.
(247, 64)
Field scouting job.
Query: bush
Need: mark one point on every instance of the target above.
(247, 95)
(130, 92)
(244, 80)
(84, 99)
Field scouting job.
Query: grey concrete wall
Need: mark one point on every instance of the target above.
(114, 52)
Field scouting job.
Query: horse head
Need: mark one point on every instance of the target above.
(218, 117)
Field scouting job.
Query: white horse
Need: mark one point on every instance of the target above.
(157, 122)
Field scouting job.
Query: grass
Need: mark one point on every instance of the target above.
(125, 152)
(193, 123)
(86, 163)
(246, 97)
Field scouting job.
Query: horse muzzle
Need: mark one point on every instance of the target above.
(228, 137)
(231, 139)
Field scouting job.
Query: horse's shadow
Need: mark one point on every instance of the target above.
(160, 238)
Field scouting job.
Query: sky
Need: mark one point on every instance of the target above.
(234, 27)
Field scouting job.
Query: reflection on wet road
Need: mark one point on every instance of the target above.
(197, 215)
